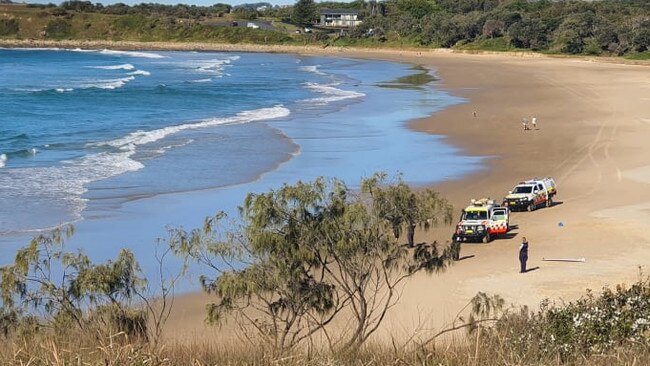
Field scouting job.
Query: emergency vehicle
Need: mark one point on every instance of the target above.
(531, 194)
(483, 220)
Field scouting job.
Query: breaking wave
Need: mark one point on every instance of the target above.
(140, 72)
(131, 54)
(65, 183)
(109, 83)
(330, 93)
(313, 69)
(114, 67)
(134, 139)
(213, 67)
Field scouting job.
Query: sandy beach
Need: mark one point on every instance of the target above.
(594, 119)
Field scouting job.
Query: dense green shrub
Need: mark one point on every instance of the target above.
(58, 28)
(9, 27)
(591, 325)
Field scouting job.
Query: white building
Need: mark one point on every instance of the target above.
(339, 18)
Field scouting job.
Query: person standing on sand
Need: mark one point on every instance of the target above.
(535, 123)
(524, 121)
(523, 255)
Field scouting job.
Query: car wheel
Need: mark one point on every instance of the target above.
(530, 207)
(486, 238)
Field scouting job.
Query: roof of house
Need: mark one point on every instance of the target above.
(339, 11)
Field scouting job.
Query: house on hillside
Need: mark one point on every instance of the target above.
(339, 18)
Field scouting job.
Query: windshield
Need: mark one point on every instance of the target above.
(523, 189)
(475, 215)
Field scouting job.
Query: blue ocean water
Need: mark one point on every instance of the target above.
(95, 136)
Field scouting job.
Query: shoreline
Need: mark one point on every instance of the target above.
(296, 49)
(591, 140)
(589, 136)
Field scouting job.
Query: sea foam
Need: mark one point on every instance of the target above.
(134, 139)
(313, 69)
(66, 182)
(108, 84)
(131, 54)
(331, 93)
(214, 67)
(114, 67)
(140, 72)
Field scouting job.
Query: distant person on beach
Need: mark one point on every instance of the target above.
(523, 255)
(535, 122)
(524, 122)
(474, 114)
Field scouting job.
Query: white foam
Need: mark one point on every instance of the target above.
(108, 84)
(82, 50)
(33, 49)
(213, 67)
(140, 72)
(114, 67)
(27, 89)
(129, 142)
(64, 184)
(313, 69)
(33, 151)
(131, 54)
(331, 94)
(174, 146)
(202, 80)
(63, 90)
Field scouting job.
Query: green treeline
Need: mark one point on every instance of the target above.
(614, 27)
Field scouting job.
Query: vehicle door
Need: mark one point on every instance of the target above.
(539, 194)
(499, 220)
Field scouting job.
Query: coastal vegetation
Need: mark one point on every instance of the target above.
(306, 262)
(616, 27)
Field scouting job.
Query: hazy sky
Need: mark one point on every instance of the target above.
(189, 2)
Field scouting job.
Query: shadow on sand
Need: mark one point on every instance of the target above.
(466, 257)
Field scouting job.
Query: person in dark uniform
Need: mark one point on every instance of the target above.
(523, 255)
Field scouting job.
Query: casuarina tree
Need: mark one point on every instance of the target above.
(304, 12)
(308, 253)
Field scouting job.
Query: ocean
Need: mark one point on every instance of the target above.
(124, 144)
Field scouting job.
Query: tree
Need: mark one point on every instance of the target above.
(528, 33)
(304, 12)
(405, 208)
(46, 286)
(306, 252)
(9, 27)
(67, 290)
(416, 8)
(493, 28)
(280, 296)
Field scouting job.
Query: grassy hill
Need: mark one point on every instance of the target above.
(27, 22)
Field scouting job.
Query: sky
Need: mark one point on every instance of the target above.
(173, 2)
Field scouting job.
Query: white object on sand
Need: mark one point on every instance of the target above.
(564, 259)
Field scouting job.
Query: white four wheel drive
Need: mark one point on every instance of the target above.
(531, 194)
(482, 221)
